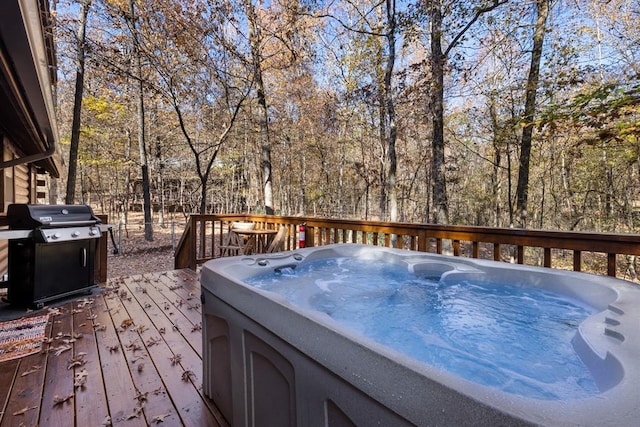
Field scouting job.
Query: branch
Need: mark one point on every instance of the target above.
(479, 13)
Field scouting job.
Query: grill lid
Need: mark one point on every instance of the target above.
(27, 217)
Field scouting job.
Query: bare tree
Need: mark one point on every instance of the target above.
(77, 101)
(255, 40)
(522, 190)
(144, 164)
(439, 55)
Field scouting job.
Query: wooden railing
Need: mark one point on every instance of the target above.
(555, 249)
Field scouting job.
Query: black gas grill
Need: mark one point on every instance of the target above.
(51, 252)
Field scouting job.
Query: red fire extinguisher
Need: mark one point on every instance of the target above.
(301, 236)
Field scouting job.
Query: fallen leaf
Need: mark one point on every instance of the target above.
(55, 311)
(57, 400)
(32, 370)
(80, 378)
(159, 418)
(197, 327)
(24, 410)
(176, 359)
(77, 361)
(106, 422)
(113, 348)
(135, 414)
(126, 323)
(141, 397)
(140, 368)
(152, 341)
(57, 351)
(140, 329)
(134, 346)
(187, 375)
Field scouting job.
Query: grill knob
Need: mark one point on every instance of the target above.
(75, 234)
(92, 232)
(56, 236)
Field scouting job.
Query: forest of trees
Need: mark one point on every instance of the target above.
(487, 112)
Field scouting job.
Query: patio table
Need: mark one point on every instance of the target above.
(256, 240)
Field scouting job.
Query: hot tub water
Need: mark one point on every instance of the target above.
(514, 338)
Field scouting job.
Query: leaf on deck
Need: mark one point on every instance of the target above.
(187, 375)
(159, 418)
(140, 329)
(134, 346)
(152, 341)
(137, 411)
(80, 378)
(24, 410)
(57, 400)
(32, 370)
(176, 359)
(77, 361)
(141, 397)
(126, 323)
(57, 351)
(55, 311)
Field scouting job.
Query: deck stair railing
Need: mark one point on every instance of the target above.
(609, 253)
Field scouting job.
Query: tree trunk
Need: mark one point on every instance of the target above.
(77, 104)
(439, 194)
(529, 112)
(144, 164)
(255, 38)
(391, 110)
(497, 158)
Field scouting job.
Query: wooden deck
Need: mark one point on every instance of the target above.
(136, 346)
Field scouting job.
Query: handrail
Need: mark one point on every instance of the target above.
(205, 234)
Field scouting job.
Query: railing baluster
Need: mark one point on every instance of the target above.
(611, 265)
(547, 257)
(196, 246)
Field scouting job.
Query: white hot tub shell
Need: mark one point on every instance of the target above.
(268, 362)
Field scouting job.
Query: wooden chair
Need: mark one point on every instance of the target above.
(234, 243)
(278, 240)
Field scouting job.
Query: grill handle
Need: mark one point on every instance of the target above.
(70, 223)
(83, 257)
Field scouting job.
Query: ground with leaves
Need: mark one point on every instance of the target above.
(138, 256)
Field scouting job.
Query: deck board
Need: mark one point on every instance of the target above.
(135, 339)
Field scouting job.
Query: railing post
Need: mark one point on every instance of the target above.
(611, 265)
(577, 260)
(100, 272)
(547, 257)
(193, 265)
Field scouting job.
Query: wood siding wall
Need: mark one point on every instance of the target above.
(18, 185)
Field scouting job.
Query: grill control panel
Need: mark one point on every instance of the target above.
(52, 235)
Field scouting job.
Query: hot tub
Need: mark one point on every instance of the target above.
(289, 357)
